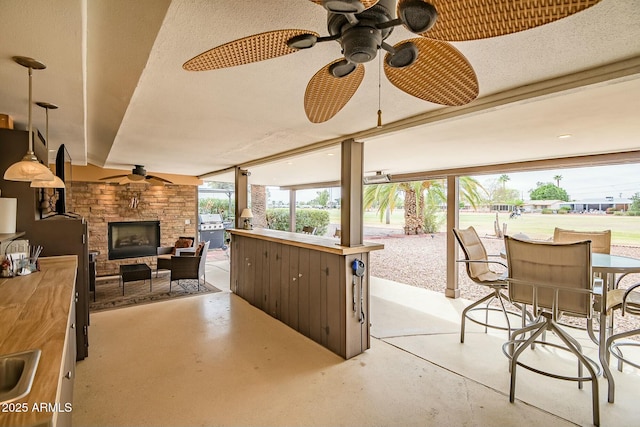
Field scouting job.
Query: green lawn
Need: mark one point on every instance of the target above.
(625, 229)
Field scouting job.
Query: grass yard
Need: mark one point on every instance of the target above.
(625, 229)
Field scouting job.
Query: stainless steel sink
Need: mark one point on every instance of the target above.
(17, 371)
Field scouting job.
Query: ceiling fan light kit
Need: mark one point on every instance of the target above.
(427, 67)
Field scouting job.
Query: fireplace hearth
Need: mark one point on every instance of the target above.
(133, 239)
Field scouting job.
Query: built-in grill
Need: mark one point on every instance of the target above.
(211, 228)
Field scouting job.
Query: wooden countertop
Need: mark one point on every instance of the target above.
(34, 313)
(317, 243)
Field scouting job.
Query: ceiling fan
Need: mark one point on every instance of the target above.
(427, 67)
(138, 175)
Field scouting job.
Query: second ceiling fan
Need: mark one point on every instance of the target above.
(138, 175)
(427, 67)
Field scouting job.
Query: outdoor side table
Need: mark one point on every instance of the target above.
(134, 272)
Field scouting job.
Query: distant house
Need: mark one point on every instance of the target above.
(534, 206)
(599, 204)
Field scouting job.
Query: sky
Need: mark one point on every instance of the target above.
(580, 183)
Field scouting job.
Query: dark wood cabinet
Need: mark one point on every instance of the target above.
(305, 282)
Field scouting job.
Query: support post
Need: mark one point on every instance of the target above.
(292, 210)
(242, 200)
(453, 200)
(352, 165)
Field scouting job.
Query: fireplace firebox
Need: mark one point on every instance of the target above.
(133, 239)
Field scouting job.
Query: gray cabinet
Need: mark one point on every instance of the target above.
(306, 284)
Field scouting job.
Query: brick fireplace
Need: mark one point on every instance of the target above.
(174, 206)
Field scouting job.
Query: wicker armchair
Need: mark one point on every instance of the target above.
(182, 245)
(190, 266)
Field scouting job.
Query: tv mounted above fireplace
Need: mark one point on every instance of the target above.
(133, 239)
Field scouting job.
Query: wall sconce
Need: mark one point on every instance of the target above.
(247, 215)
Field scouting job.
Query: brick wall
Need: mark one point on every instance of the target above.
(259, 205)
(102, 203)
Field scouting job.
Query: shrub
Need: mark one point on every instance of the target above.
(432, 220)
(211, 205)
(278, 219)
(563, 211)
(547, 211)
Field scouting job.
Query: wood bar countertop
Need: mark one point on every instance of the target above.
(34, 314)
(317, 243)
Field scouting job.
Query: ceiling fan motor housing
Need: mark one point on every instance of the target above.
(139, 170)
(360, 42)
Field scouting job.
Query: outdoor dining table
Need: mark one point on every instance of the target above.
(609, 266)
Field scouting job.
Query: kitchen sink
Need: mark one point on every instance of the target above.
(17, 371)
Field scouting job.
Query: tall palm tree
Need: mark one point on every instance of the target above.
(557, 179)
(503, 179)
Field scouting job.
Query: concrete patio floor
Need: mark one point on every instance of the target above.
(216, 360)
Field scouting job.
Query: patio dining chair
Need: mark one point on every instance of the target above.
(477, 264)
(600, 240)
(600, 243)
(307, 229)
(554, 279)
(628, 302)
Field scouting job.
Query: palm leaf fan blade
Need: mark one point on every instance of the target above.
(257, 47)
(326, 95)
(460, 20)
(441, 74)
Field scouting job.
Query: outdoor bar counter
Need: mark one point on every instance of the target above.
(308, 283)
(37, 312)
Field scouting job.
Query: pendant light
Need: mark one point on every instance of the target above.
(29, 168)
(57, 182)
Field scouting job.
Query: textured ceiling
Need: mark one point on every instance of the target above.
(115, 69)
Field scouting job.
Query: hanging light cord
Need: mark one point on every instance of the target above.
(379, 90)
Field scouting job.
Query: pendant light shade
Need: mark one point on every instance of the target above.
(57, 182)
(29, 168)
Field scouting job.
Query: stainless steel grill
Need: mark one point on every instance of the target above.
(211, 229)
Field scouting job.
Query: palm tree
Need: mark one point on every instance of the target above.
(557, 179)
(503, 179)
(385, 198)
(470, 190)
